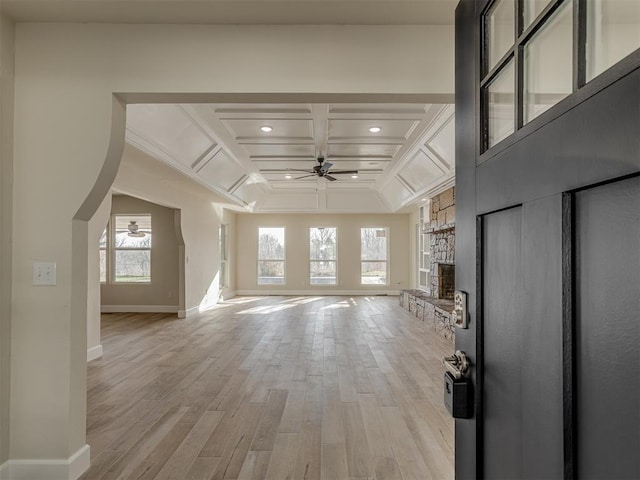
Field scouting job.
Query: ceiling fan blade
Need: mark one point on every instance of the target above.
(353, 172)
(326, 166)
(297, 170)
(305, 176)
(329, 177)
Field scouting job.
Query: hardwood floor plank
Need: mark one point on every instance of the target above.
(359, 458)
(304, 388)
(255, 466)
(268, 428)
(334, 462)
(283, 458)
(202, 468)
(178, 464)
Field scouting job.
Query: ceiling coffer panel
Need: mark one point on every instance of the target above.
(354, 201)
(170, 129)
(357, 130)
(248, 130)
(420, 171)
(443, 143)
(379, 151)
(396, 193)
(221, 170)
(267, 166)
(258, 151)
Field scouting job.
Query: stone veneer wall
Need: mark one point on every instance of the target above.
(443, 234)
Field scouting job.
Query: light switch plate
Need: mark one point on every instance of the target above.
(460, 309)
(44, 273)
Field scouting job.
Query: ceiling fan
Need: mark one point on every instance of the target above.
(322, 170)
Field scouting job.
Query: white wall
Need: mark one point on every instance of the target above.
(68, 138)
(297, 252)
(201, 213)
(97, 225)
(6, 202)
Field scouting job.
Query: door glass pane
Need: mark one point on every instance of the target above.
(613, 33)
(501, 105)
(548, 59)
(531, 10)
(501, 29)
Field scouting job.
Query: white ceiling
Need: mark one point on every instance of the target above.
(222, 147)
(236, 12)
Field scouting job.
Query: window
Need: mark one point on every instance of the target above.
(537, 52)
(132, 248)
(322, 256)
(103, 256)
(613, 32)
(223, 244)
(373, 256)
(271, 256)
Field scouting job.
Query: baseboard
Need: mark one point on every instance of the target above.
(45, 469)
(188, 312)
(228, 295)
(323, 293)
(139, 308)
(94, 352)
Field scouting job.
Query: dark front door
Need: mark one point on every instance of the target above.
(607, 330)
(548, 250)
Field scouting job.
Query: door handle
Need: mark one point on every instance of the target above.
(457, 364)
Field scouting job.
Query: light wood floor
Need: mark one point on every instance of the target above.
(270, 388)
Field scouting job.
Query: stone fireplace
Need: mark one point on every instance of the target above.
(443, 245)
(435, 307)
(446, 281)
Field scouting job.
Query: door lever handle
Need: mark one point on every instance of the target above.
(457, 364)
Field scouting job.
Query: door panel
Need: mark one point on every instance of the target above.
(502, 332)
(542, 429)
(607, 225)
(522, 341)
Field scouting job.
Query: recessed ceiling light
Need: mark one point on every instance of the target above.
(266, 128)
(287, 176)
(374, 129)
(423, 199)
(373, 163)
(354, 176)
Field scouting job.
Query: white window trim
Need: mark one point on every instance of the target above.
(112, 249)
(283, 260)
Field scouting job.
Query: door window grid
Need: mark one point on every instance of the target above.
(592, 35)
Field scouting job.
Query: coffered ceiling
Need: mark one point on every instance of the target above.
(224, 147)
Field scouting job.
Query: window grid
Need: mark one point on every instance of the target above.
(516, 53)
(323, 247)
(223, 245)
(271, 256)
(131, 237)
(374, 254)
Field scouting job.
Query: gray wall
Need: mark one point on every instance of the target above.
(163, 290)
